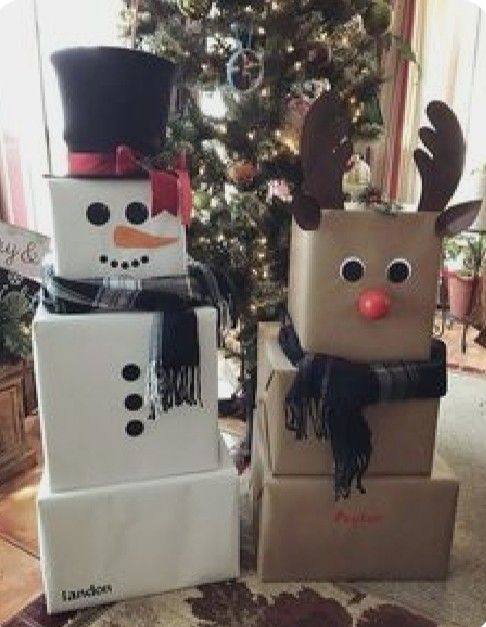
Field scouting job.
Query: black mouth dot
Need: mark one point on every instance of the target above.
(135, 263)
(144, 259)
(124, 265)
(104, 259)
(114, 264)
(134, 428)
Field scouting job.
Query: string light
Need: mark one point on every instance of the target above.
(274, 5)
(251, 135)
(204, 67)
(298, 66)
(261, 30)
(248, 9)
(278, 133)
(290, 48)
(265, 92)
(201, 169)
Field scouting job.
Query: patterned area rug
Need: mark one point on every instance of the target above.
(243, 603)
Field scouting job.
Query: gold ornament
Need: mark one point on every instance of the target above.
(195, 9)
(242, 173)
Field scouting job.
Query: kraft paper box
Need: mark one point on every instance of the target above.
(403, 433)
(401, 529)
(104, 227)
(88, 404)
(105, 544)
(323, 306)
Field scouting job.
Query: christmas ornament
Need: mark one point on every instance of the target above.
(245, 70)
(357, 179)
(195, 9)
(242, 173)
(377, 18)
(280, 189)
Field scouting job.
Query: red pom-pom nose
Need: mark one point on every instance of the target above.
(374, 304)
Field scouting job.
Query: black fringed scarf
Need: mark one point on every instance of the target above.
(329, 394)
(173, 371)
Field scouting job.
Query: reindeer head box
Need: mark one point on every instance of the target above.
(363, 284)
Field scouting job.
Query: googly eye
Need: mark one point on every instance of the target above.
(98, 213)
(136, 213)
(352, 269)
(399, 270)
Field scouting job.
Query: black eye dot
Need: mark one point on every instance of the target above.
(131, 372)
(134, 428)
(352, 269)
(133, 402)
(104, 259)
(124, 265)
(136, 213)
(114, 264)
(135, 263)
(144, 259)
(398, 271)
(98, 213)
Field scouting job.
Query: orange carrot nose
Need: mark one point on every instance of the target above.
(128, 237)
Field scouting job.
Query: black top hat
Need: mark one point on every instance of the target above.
(113, 96)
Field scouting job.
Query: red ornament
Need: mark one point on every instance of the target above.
(374, 304)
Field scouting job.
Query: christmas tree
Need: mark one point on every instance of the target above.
(247, 73)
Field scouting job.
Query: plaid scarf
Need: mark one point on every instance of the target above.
(173, 373)
(329, 394)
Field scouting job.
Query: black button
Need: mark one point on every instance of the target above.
(133, 402)
(124, 265)
(135, 263)
(136, 213)
(398, 271)
(134, 428)
(131, 372)
(352, 269)
(144, 259)
(114, 264)
(104, 259)
(98, 213)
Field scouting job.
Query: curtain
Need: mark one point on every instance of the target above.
(31, 142)
(450, 41)
(400, 74)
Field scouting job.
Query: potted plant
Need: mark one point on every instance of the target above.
(464, 259)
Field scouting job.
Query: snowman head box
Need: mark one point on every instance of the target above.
(363, 284)
(116, 213)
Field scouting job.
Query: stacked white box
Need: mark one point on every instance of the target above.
(104, 544)
(80, 363)
(128, 505)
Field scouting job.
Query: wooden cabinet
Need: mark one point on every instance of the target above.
(15, 455)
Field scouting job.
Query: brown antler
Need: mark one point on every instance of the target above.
(325, 149)
(440, 170)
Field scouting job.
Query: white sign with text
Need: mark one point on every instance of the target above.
(22, 250)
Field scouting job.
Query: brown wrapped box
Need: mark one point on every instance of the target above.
(323, 306)
(402, 528)
(403, 433)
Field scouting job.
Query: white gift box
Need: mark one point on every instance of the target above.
(100, 545)
(88, 368)
(103, 227)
